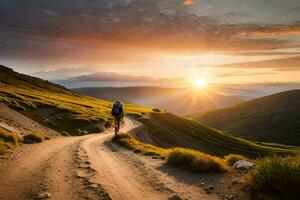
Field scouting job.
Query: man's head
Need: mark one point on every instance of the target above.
(118, 102)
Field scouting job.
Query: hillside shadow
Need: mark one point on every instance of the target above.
(189, 177)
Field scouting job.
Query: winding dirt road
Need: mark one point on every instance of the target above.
(91, 167)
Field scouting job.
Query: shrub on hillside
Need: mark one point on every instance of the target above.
(277, 178)
(3, 148)
(8, 137)
(197, 161)
(122, 139)
(232, 158)
(34, 138)
(156, 110)
(7, 140)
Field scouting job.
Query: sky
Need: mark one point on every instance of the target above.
(221, 41)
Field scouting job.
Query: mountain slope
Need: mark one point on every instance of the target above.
(176, 100)
(54, 105)
(274, 118)
(168, 130)
(19, 124)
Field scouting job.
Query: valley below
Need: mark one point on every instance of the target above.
(58, 144)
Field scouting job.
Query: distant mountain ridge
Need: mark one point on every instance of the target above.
(176, 100)
(12, 78)
(273, 118)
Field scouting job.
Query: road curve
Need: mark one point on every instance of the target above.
(128, 176)
(90, 167)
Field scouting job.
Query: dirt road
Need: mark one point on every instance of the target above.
(91, 167)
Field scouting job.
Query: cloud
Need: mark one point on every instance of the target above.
(292, 10)
(265, 53)
(271, 30)
(79, 29)
(189, 2)
(51, 51)
(282, 64)
(242, 73)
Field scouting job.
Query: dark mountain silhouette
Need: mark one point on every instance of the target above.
(273, 118)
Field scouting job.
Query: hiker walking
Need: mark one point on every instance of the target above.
(118, 114)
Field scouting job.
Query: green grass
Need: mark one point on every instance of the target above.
(233, 158)
(276, 178)
(168, 131)
(55, 106)
(196, 161)
(131, 143)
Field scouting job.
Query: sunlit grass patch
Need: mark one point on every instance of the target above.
(8, 137)
(233, 158)
(34, 138)
(196, 161)
(63, 111)
(276, 178)
(131, 143)
(178, 157)
(55, 106)
(3, 147)
(8, 140)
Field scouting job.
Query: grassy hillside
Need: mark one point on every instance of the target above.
(54, 105)
(165, 98)
(168, 130)
(274, 118)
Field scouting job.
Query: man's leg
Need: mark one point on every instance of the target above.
(118, 125)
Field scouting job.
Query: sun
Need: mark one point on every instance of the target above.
(200, 83)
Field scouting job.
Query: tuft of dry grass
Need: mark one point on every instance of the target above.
(276, 178)
(3, 148)
(232, 158)
(8, 137)
(34, 138)
(7, 140)
(196, 161)
(131, 143)
(179, 157)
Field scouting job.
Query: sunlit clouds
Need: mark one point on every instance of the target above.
(160, 39)
(188, 2)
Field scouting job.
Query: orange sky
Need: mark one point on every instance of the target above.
(219, 40)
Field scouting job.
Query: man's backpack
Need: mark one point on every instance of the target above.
(117, 109)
